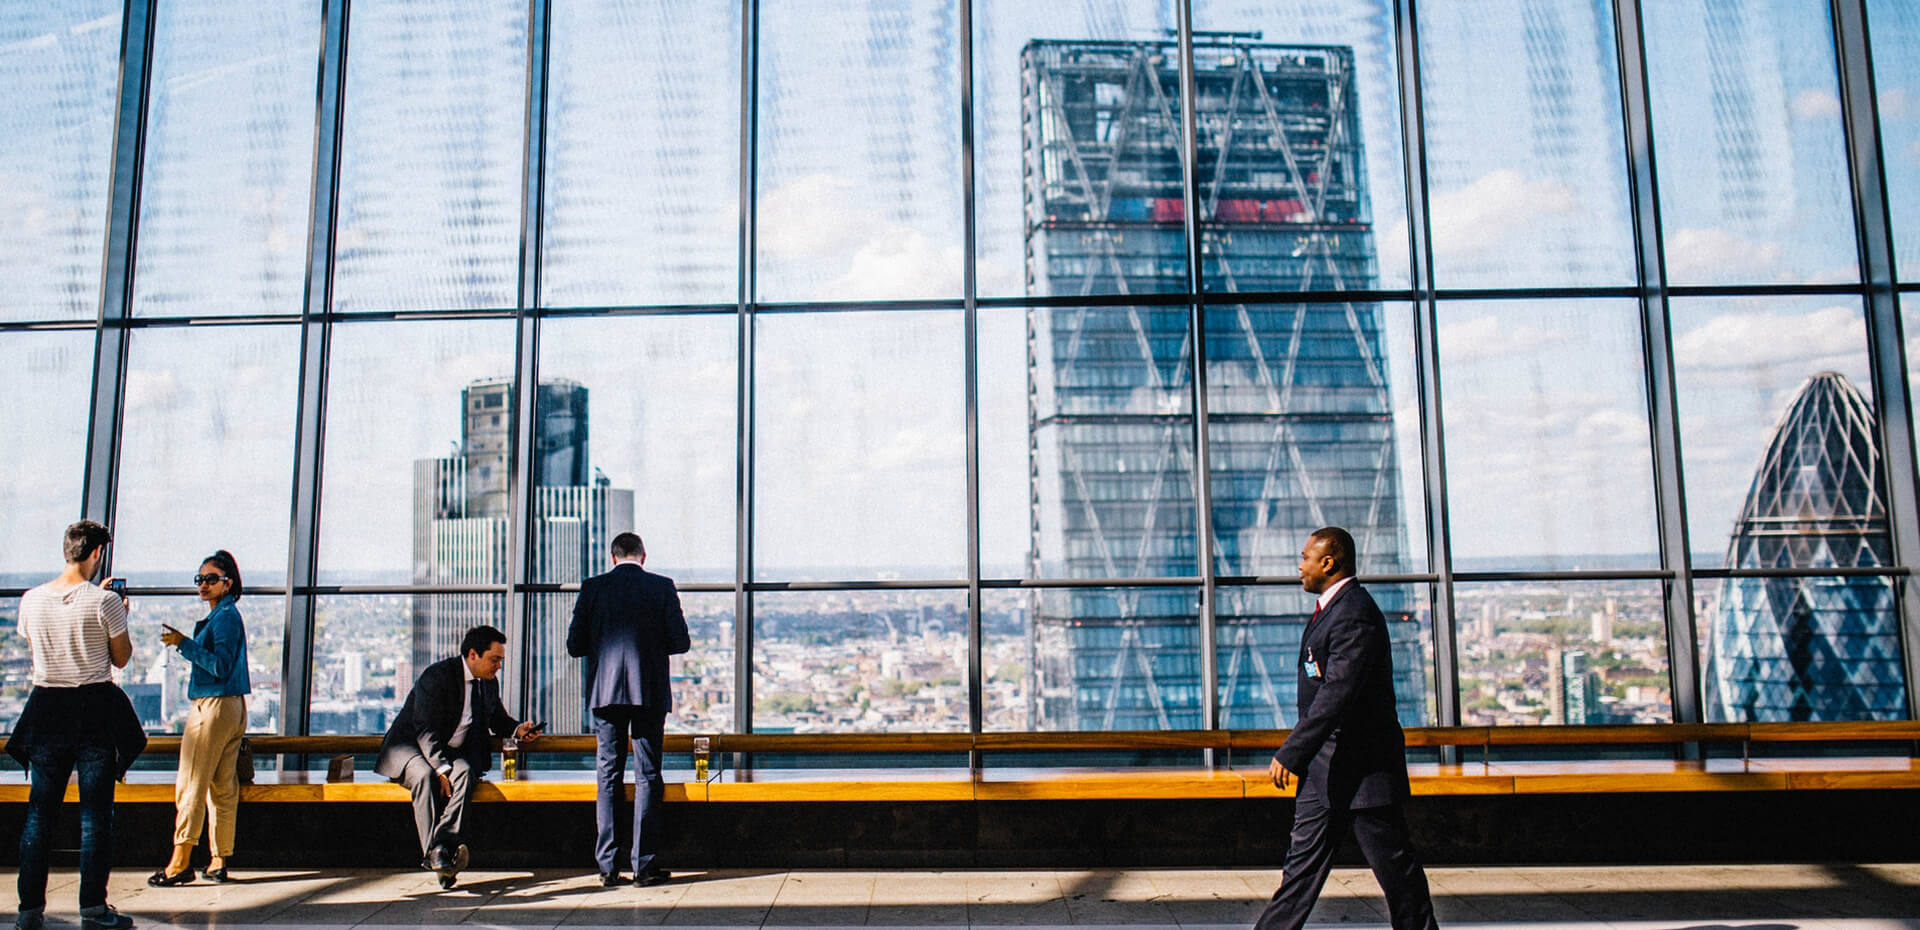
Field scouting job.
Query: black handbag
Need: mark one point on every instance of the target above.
(243, 766)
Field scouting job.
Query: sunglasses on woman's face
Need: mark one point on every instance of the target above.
(208, 579)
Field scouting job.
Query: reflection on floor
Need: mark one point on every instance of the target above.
(1765, 897)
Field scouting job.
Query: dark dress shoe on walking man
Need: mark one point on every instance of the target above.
(652, 877)
(609, 879)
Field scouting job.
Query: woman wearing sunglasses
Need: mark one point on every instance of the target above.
(208, 785)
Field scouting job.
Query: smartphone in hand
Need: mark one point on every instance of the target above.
(117, 586)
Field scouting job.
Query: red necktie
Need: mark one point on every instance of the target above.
(1316, 614)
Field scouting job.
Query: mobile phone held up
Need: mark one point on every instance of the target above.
(117, 586)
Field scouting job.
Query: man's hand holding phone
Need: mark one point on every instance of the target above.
(528, 731)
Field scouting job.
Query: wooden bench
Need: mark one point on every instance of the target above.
(980, 779)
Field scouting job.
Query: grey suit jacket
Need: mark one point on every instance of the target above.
(1347, 746)
(625, 624)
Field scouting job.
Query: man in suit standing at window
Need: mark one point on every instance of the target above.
(438, 746)
(626, 623)
(1346, 749)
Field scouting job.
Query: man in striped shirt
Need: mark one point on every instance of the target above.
(78, 634)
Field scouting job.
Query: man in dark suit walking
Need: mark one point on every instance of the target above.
(438, 746)
(1346, 749)
(626, 623)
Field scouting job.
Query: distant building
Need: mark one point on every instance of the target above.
(1300, 419)
(168, 676)
(1571, 688)
(460, 530)
(353, 672)
(1817, 647)
(1603, 621)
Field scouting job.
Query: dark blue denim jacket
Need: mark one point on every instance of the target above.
(218, 651)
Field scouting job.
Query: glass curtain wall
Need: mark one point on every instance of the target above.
(924, 337)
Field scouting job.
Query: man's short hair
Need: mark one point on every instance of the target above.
(83, 538)
(1339, 544)
(628, 546)
(480, 639)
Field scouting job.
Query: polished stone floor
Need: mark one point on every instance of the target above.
(1692, 897)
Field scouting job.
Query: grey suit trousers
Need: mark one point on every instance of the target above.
(618, 730)
(438, 819)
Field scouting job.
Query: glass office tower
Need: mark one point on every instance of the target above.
(1300, 424)
(1804, 647)
(461, 506)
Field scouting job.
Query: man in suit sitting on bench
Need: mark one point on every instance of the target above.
(438, 746)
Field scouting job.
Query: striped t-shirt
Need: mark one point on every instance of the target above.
(69, 626)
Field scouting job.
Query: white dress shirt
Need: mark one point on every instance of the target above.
(1333, 589)
(459, 737)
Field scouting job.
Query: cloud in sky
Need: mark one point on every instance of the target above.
(808, 218)
(1738, 371)
(1612, 426)
(843, 452)
(1731, 347)
(1483, 338)
(1893, 102)
(1553, 415)
(152, 389)
(1716, 254)
(820, 238)
(905, 262)
(1562, 471)
(1483, 217)
(1815, 104)
(30, 210)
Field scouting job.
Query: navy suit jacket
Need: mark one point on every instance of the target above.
(432, 713)
(1347, 746)
(625, 624)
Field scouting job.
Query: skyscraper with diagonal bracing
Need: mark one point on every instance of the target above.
(1300, 418)
(1812, 646)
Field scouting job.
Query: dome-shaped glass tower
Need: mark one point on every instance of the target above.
(1820, 647)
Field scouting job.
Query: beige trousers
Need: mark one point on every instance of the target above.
(208, 786)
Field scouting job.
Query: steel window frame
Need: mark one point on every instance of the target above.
(1873, 217)
(1879, 289)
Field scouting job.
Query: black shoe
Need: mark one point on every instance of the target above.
(446, 880)
(106, 919)
(160, 878)
(461, 857)
(30, 920)
(652, 877)
(439, 859)
(217, 876)
(609, 879)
